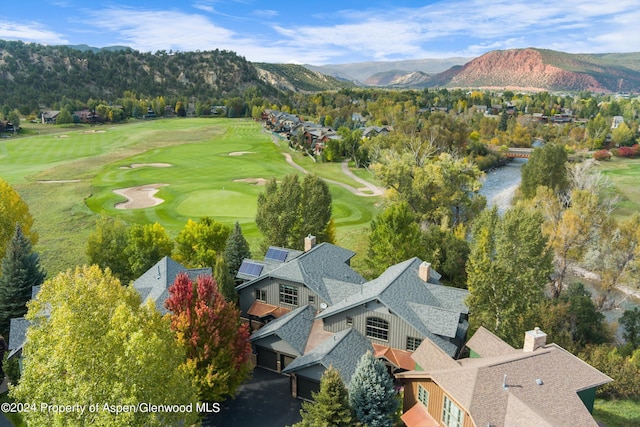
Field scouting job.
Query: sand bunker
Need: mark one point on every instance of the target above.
(241, 153)
(57, 181)
(152, 165)
(62, 136)
(254, 181)
(93, 131)
(139, 197)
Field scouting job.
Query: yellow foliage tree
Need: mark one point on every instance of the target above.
(13, 210)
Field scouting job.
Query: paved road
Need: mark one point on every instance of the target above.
(263, 401)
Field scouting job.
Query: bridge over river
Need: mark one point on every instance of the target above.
(514, 153)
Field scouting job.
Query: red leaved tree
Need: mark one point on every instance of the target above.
(209, 328)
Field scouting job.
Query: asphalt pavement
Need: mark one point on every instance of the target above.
(265, 400)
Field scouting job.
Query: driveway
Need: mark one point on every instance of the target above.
(265, 400)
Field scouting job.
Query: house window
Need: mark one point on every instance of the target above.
(349, 321)
(312, 299)
(288, 294)
(423, 396)
(377, 328)
(451, 414)
(261, 295)
(413, 343)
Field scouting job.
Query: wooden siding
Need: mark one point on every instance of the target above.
(436, 400)
(399, 330)
(247, 296)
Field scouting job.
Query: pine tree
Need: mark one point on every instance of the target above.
(225, 281)
(236, 250)
(21, 271)
(330, 406)
(371, 393)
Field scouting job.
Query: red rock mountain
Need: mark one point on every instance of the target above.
(540, 69)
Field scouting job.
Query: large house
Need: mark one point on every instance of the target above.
(539, 385)
(310, 309)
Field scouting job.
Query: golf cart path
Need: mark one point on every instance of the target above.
(371, 190)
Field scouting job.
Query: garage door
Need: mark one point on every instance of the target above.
(267, 358)
(306, 386)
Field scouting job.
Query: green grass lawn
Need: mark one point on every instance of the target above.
(617, 413)
(201, 181)
(625, 176)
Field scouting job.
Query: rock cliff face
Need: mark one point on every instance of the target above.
(398, 79)
(537, 69)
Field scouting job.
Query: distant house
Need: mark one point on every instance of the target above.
(49, 117)
(539, 385)
(154, 284)
(617, 121)
(307, 307)
(371, 131)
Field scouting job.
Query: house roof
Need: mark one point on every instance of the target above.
(154, 283)
(293, 327)
(399, 358)
(261, 309)
(486, 344)
(323, 269)
(418, 416)
(431, 308)
(541, 386)
(17, 335)
(342, 350)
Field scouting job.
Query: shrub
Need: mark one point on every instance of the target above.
(628, 152)
(602, 155)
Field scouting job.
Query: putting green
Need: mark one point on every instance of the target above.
(218, 203)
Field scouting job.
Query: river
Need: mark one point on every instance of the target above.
(499, 187)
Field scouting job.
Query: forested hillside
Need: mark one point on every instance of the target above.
(33, 75)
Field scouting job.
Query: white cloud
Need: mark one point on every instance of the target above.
(30, 31)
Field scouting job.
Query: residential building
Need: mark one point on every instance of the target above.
(539, 385)
(307, 307)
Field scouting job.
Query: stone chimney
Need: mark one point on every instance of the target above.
(424, 270)
(533, 340)
(309, 242)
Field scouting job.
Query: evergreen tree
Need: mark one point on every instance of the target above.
(225, 281)
(331, 404)
(21, 271)
(371, 393)
(236, 250)
(503, 124)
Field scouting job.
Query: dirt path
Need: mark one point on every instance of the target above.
(369, 190)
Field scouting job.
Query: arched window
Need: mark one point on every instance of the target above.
(377, 328)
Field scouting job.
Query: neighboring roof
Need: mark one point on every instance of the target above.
(429, 357)
(293, 328)
(431, 308)
(486, 344)
(154, 283)
(324, 269)
(541, 387)
(343, 351)
(399, 358)
(17, 335)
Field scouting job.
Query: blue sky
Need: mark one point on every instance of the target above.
(329, 31)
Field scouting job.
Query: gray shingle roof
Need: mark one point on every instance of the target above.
(17, 335)
(342, 351)
(155, 282)
(323, 269)
(431, 308)
(293, 327)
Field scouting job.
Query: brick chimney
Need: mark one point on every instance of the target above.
(309, 242)
(533, 340)
(424, 270)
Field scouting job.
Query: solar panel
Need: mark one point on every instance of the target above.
(276, 254)
(251, 268)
